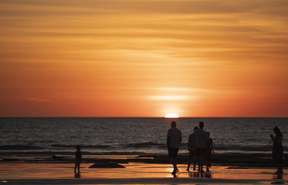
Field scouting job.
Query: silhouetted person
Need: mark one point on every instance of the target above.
(277, 150)
(278, 178)
(192, 158)
(78, 159)
(174, 138)
(202, 143)
(209, 152)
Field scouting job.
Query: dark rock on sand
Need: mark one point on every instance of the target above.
(102, 164)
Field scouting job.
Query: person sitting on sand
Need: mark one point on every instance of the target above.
(277, 151)
(174, 138)
(192, 149)
(78, 159)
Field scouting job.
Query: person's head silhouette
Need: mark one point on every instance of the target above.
(173, 124)
(78, 148)
(201, 125)
(277, 130)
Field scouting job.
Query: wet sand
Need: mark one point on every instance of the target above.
(133, 173)
(239, 159)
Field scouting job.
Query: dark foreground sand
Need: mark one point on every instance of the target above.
(57, 168)
(134, 173)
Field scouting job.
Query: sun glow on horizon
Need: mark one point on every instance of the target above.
(170, 98)
(172, 115)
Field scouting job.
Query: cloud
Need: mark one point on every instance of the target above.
(38, 100)
(274, 8)
(185, 48)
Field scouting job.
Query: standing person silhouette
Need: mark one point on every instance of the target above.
(78, 159)
(277, 150)
(210, 151)
(202, 145)
(192, 149)
(174, 138)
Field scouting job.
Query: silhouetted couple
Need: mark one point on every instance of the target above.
(199, 145)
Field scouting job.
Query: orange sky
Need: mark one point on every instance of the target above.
(144, 57)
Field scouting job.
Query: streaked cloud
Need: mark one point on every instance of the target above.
(127, 50)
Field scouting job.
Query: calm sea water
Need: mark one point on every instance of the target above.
(133, 135)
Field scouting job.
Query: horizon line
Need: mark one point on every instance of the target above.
(142, 117)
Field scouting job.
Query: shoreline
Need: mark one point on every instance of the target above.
(225, 159)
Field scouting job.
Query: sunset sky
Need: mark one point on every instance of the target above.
(144, 57)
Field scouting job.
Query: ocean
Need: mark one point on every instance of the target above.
(133, 135)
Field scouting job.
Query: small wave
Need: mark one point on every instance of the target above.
(144, 145)
(252, 148)
(82, 146)
(244, 148)
(20, 147)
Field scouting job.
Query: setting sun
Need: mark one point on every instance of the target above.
(171, 115)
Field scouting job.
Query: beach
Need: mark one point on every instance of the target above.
(132, 151)
(133, 173)
(133, 169)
